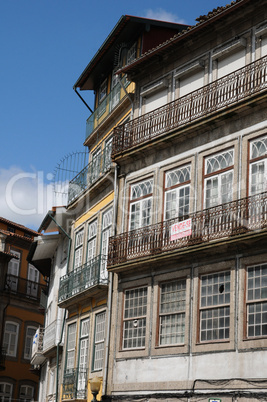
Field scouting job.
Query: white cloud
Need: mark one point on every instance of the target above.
(163, 15)
(25, 198)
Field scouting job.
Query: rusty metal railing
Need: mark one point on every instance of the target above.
(231, 89)
(226, 220)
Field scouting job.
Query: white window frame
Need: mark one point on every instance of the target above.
(107, 221)
(176, 181)
(83, 356)
(256, 301)
(71, 347)
(92, 238)
(29, 342)
(12, 341)
(219, 172)
(172, 305)
(33, 281)
(135, 307)
(214, 307)
(140, 207)
(78, 251)
(99, 341)
(13, 270)
(4, 393)
(27, 395)
(258, 157)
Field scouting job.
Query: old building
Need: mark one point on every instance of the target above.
(50, 253)
(189, 306)
(21, 287)
(68, 365)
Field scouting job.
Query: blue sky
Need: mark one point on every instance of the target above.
(45, 45)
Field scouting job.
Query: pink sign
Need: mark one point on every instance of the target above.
(181, 229)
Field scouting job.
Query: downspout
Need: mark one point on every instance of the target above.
(110, 288)
(88, 107)
(64, 318)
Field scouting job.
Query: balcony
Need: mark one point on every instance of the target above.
(75, 384)
(89, 175)
(37, 348)
(232, 89)
(51, 336)
(226, 221)
(113, 99)
(78, 282)
(24, 288)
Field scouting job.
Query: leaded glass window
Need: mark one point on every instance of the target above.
(219, 179)
(172, 313)
(177, 192)
(141, 204)
(257, 300)
(258, 166)
(134, 318)
(215, 306)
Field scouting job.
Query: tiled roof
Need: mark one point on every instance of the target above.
(201, 21)
(24, 228)
(11, 234)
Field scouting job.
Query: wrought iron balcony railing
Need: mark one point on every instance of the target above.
(83, 278)
(231, 89)
(24, 287)
(75, 383)
(90, 174)
(107, 105)
(230, 219)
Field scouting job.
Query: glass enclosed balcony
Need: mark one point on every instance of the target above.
(229, 90)
(82, 279)
(90, 174)
(243, 216)
(109, 103)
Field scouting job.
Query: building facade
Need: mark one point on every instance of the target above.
(84, 292)
(189, 319)
(21, 313)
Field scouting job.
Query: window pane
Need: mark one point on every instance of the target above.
(135, 308)
(256, 305)
(99, 341)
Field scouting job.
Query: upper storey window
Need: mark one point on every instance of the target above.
(140, 204)
(131, 54)
(218, 183)
(78, 253)
(177, 192)
(103, 91)
(258, 165)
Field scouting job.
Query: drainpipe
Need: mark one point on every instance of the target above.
(64, 318)
(110, 288)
